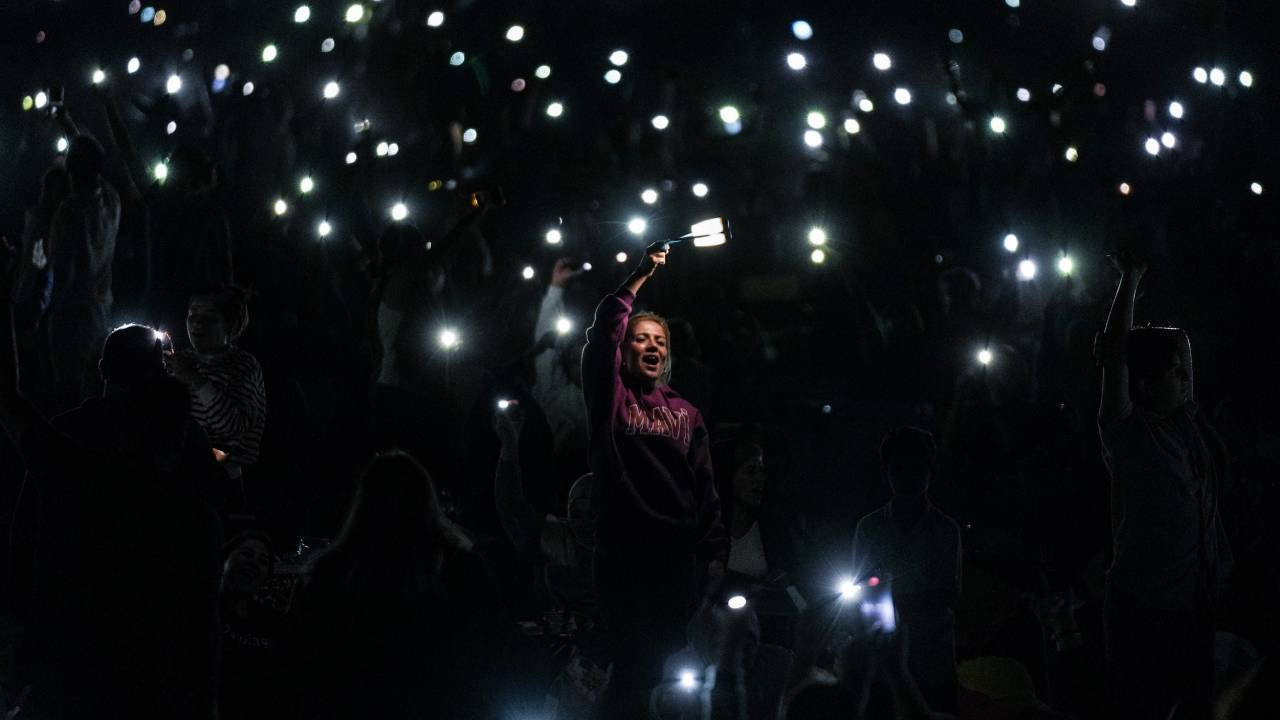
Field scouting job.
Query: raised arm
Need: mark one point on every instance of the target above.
(1112, 345)
(136, 173)
(16, 414)
(519, 519)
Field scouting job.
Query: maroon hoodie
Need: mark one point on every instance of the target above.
(650, 453)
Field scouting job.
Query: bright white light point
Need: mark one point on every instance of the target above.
(984, 356)
(620, 257)
(737, 602)
(818, 256)
(331, 90)
(851, 126)
(171, 128)
(435, 19)
(813, 138)
(553, 237)
(796, 61)
(62, 144)
(134, 64)
(688, 680)
(1246, 78)
(449, 338)
(613, 77)
(1066, 265)
(700, 189)
(302, 14)
(326, 45)
(1055, 88)
(355, 13)
(247, 89)
(393, 149)
(515, 33)
(1011, 243)
(955, 35)
(902, 96)
(637, 226)
(1153, 146)
(816, 120)
(619, 57)
(660, 122)
(1027, 270)
(99, 76)
(381, 149)
(173, 84)
(351, 158)
(1217, 77)
(269, 53)
(865, 105)
(457, 58)
(41, 99)
(881, 61)
(564, 325)
(555, 109)
(1072, 154)
(528, 273)
(1024, 95)
(504, 404)
(543, 72)
(817, 236)
(849, 589)
(1168, 140)
(802, 30)
(306, 185)
(161, 171)
(399, 212)
(324, 228)
(221, 72)
(1175, 110)
(1099, 43)
(1255, 188)
(729, 114)
(997, 125)
(586, 267)
(1125, 189)
(280, 207)
(469, 135)
(1013, 3)
(649, 196)
(1128, 3)
(1200, 75)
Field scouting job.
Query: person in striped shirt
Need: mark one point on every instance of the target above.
(225, 382)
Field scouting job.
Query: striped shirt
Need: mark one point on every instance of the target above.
(231, 405)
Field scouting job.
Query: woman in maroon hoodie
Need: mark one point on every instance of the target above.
(659, 537)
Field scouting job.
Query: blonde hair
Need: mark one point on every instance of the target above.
(664, 377)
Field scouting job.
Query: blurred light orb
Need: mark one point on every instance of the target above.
(902, 96)
(160, 17)
(1013, 3)
(28, 102)
(62, 145)
(737, 602)
(729, 114)
(852, 126)
(133, 65)
(613, 77)
(528, 273)
(564, 325)
(816, 120)
(1125, 188)
(457, 58)
(171, 128)
(818, 256)
(700, 190)
(1152, 146)
(1168, 140)
(1217, 77)
(326, 45)
(324, 228)
(352, 158)
(688, 679)
(148, 14)
(620, 257)
(553, 237)
(796, 61)
(518, 85)
(1056, 88)
(355, 13)
(302, 14)
(515, 33)
(802, 30)
(399, 212)
(881, 61)
(555, 109)
(1027, 270)
(173, 84)
(951, 98)
(998, 125)
(1024, 95)
(469, 135)
(865, 105)
(221, 72)
(435, 19)
(1011, 243)
(1175, 110)
(269, 53)
(813, 138)
(649, 196)
(619, 57)
(1099, 43)
(393, 149)
(331, 90)
(306, 184)
(1066, 265)
(543, 72)
(99, 76)
(848, 589)
(134, 6)
(984, 356)
(449, 339)
(41, 100)
(817, 236)
(1200, 75)
(1245, 78)
(1255, 188)
(1071, 154)
(660, 122)
(955, 35)
(1128, 3)
(247, 89)
(160, 171)
(637, 226)
(280, 207)
(381, 149)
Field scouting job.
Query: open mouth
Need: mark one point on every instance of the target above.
(651, 361)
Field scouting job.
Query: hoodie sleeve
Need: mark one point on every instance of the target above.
(714, 541)
(602, 358)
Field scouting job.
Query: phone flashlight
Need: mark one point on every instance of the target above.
(737, 602)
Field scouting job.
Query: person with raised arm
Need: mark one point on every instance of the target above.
(659, 537)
